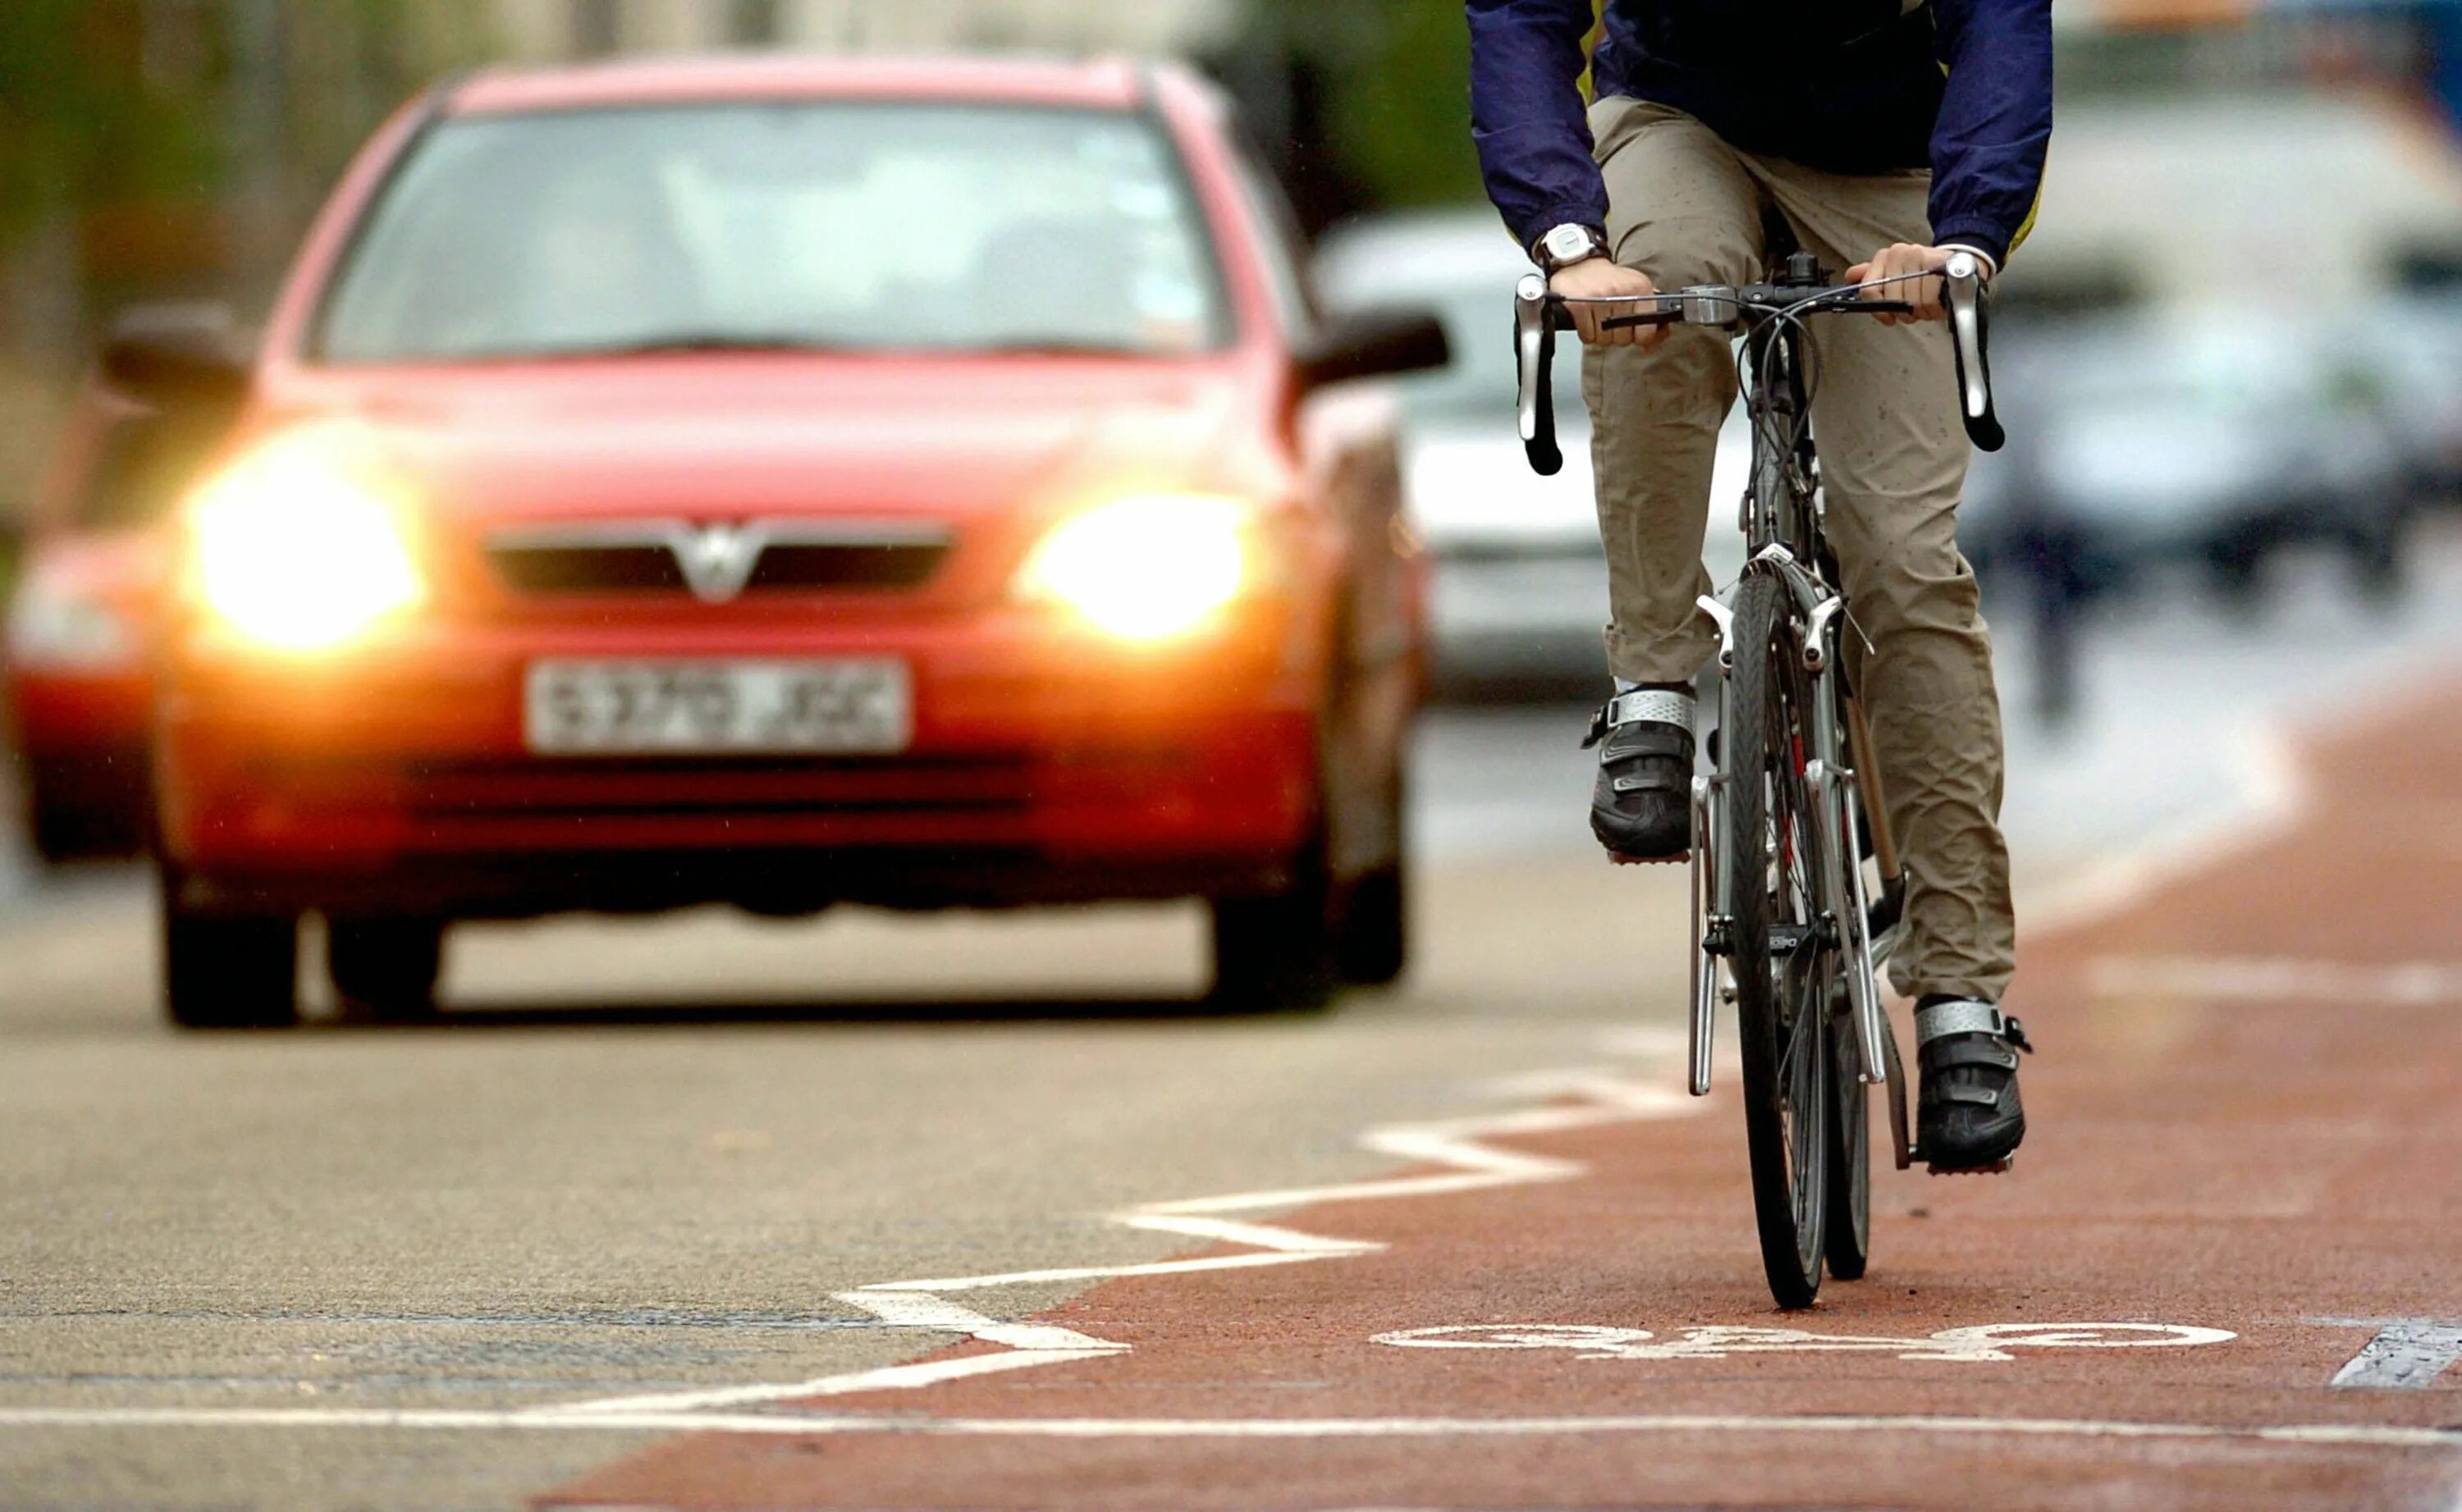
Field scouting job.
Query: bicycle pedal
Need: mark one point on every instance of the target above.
(1621, 859)
(1973, 1171)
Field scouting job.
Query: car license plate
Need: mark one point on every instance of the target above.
(631, 708)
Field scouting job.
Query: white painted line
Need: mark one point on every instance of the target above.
(1580, 1099)
(2345, 984)
(1973, 1342)
(2407, 1353)
(2371, 1435)
(1026, 1343)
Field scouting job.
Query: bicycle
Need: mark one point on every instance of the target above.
(1784, 829)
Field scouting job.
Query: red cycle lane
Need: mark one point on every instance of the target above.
(2247, 1151)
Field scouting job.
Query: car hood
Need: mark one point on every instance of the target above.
(794, 436)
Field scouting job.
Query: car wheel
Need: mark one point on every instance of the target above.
(1276, 952)
(1374, 946)
(61, 835)
(385, 968)
(2236, 574)
(61, 829)
(228, 971)
(2378, 564)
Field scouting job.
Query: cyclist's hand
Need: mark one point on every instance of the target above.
(1598, 278)
(1893, 262)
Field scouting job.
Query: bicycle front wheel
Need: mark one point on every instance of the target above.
(1778, 962)
(1850, 1148)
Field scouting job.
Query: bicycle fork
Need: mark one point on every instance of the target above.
(1835, 787)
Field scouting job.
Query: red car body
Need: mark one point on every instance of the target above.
(77, 657)
(1047, 762)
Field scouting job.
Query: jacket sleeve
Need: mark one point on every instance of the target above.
(1527, 116)
(1995, 122)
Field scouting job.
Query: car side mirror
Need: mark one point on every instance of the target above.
(174, 356)
(1374, 344)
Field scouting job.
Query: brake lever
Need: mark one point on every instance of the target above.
(1969, 328)
(1534, 345)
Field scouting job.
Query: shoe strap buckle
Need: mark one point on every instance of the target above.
(1664, 706)
(1969, 1016)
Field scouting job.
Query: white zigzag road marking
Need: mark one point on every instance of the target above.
(1580, 1100)
(1574, 1099)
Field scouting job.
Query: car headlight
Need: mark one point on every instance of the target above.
(300, 544)
(1149, 568)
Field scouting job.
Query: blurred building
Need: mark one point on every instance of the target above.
(2250, 152)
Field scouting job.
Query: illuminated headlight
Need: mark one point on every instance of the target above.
(1149, 568)
(300, 546)
(54, 626)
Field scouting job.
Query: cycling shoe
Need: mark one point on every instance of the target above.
(1641, 808)
(1968, 1117)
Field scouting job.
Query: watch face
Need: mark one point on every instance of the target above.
(1567, 242)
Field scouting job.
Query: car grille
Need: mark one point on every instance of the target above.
(716, 563)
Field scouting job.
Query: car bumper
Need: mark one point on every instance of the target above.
(82, 746)
(1040, 769)
(66, 713)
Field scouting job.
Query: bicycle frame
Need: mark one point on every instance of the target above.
(1781, 519)
(1782, 524)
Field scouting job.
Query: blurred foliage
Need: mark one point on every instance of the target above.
(1389, 87)
(82, 122)
(149, 102)
(1400, 110)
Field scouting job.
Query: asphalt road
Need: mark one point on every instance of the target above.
(650, 1164)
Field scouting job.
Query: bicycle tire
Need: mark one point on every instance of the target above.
(1783, 1030)
(1849, 1243)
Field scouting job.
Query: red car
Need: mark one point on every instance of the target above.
(782, 483)
(77, 650)
(75, 656)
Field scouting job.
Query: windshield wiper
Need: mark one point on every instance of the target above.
(1057, 347)
(688, 342)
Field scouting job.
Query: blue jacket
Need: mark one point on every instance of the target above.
(1845, 86)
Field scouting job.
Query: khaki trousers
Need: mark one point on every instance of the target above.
(1686, 209)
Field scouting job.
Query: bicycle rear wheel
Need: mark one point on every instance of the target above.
(1781, 988)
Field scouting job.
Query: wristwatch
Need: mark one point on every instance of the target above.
(1569, 243)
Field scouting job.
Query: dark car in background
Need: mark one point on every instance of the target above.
(2211, 445)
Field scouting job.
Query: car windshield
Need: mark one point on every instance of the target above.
(804, 225)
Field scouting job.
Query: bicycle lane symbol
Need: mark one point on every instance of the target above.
(1979, 1342)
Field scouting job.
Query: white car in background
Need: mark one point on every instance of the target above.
(1521, 582)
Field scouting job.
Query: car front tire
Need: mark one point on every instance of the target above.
(1276, 953)
(1374, 948)
(385, 970)
(228, 971)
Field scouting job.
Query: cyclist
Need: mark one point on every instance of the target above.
(1884, 134)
